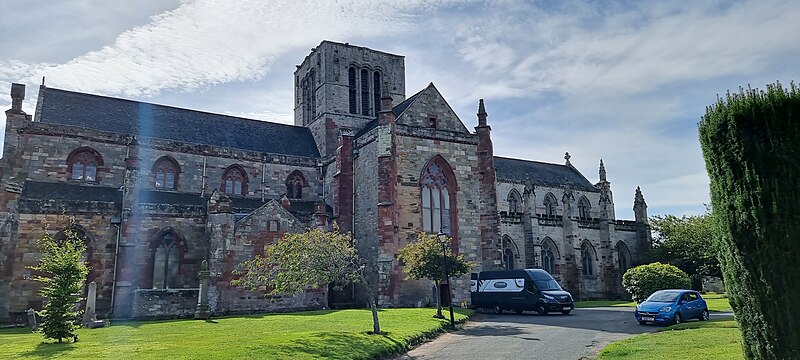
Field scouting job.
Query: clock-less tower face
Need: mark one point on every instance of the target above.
(340, 86)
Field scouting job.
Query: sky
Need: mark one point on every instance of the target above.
(622, 81)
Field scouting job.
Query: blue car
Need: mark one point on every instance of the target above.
(672, 307)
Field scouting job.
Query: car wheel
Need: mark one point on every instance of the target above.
(566, 312)
(704, 316)
(677, 319)
(497, 309)
(541, 311)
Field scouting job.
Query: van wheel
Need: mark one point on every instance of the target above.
(497, 309)
(518, 311)
(541, 311)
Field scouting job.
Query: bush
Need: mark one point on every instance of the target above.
(643, 280)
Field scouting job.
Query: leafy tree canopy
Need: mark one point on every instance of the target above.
(63, 272)
(687, 243)
(425, 258)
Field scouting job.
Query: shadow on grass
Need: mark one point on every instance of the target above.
(328, 345)
(48, 350)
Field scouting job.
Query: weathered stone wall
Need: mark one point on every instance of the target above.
(152, 304)
(417, 146)
(44, 149)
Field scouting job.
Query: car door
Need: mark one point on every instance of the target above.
(684, 306)
(697, 306)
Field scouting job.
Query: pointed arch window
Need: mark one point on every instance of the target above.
(623, 257)
(86, 256)
(234, 181)
(584, 209)
(549, 256)
(514, 202)
(508, 259)
(587, 259)
(82, 164)
(509, 252)
(294, 185)
(437, 193)
(351, 90)
(550, 205)
(165, 173)
(365, 92)
(376, 91)
(167, 248)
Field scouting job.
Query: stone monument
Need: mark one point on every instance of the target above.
(203, 311)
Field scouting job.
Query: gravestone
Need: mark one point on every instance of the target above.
(32, 320)
(89, 313)
(202, 312)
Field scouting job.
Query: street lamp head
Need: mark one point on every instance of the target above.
(441, 234)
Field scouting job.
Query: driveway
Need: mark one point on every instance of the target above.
(580, 335)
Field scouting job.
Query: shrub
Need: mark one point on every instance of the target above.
(643, 280)
(751, 144)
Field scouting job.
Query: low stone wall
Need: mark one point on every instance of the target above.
(154, 304)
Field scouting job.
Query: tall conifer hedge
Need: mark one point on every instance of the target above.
(751, 144)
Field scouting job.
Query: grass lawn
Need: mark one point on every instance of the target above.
(305, 335)
(694, 340)
(716, 302)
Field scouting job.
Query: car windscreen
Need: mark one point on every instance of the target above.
(664, 296)
(545, 285)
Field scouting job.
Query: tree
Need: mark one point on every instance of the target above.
(643, 280)
(63, 272)
(424, 258)
(751, 144)
(314, 258)
(686, 242)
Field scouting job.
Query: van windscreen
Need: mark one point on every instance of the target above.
(547, 285)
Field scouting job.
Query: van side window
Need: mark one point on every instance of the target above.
(500, 284)
(530, 286)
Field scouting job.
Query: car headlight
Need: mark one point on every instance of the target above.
(666, 309)
(548, 297)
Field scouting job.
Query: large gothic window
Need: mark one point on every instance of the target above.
(550, 204)
(436, 194)
(86, 256)
(365, 92)
(234, 181)
(294, 185)
(82, 164)
(165, 173)
(623, 257)
(584, 208)
(167, 249)
(351, 89)
(376, 91)
(514, 202)
(587, 258)
(549, 256)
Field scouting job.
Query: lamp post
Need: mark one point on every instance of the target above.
(442, 239)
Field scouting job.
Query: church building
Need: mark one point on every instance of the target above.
(155, 190)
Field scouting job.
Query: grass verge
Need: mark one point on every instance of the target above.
(709, 340)
(305, 335)
(716, 302)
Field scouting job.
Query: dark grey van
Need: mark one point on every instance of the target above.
(519, 290)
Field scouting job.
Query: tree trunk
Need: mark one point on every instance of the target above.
(376, 326)
(438, 300)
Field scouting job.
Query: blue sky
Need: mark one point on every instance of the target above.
(625, 81)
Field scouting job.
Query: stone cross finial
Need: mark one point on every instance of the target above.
(602, 171)
(567, 157)
(638, 199)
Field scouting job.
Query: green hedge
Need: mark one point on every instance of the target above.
(751, 144)
(644, 280)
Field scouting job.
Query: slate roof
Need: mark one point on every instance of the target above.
(65, 191)
(541, 173)
(171, 123)
(397, 110)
